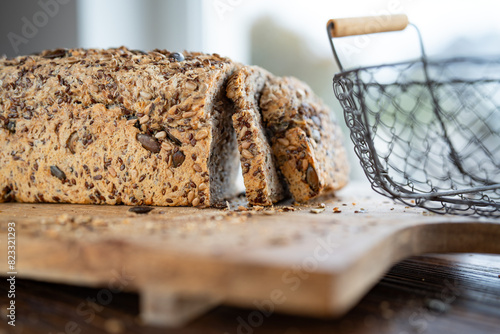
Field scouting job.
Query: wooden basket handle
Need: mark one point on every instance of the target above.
(366, 25)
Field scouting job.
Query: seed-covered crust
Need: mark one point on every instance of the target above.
(260, 174)
(115, 126)
(305, 139)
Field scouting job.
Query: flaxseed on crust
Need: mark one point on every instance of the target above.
(116, 126)
(263, 183)
(305, 139)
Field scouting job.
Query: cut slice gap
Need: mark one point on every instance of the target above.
(223, 160)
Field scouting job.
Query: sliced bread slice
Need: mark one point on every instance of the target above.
(305, 138)
(263, 184)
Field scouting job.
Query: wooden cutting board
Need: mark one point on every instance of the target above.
(182, 261)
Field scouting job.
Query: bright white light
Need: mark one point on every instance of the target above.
(440, 21)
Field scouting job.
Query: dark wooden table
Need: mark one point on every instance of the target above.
(427, 294)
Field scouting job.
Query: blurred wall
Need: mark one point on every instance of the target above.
(141, 24)
(28, 26)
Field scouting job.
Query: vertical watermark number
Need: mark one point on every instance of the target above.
(11, 273)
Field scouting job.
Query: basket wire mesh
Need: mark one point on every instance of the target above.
(427, 133)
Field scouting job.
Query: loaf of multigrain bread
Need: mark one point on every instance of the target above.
(117, 126)
(160, 128)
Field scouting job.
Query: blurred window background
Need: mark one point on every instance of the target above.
(285, 37)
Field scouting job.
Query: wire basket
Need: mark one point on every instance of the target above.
(427, 133)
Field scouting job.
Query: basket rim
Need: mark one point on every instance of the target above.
(428, 61)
